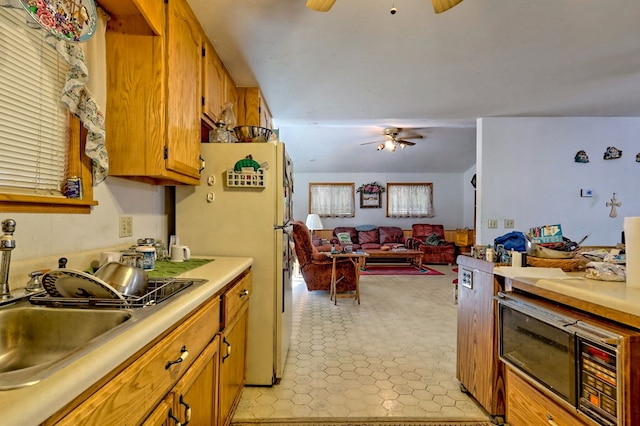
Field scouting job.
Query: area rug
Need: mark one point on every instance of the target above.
(373, 269)
(360, 422)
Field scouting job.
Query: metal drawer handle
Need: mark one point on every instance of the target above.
(187, 411)
(176, 421)
(228, 354)
(184, 353)
(244, 293)
(550, 420)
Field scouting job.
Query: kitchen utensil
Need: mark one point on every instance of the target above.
(128, 280)
(252, 133)
(180, 253)
(536, 250)
(70, 283)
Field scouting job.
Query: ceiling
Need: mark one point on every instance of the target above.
(335, 80)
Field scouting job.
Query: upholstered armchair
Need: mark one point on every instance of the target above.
(429, 239)
(316, 267)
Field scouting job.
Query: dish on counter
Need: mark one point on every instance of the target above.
(77, 284)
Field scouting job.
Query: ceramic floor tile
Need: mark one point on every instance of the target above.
(392, 356)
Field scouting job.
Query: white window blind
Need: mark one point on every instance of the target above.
(33, 121)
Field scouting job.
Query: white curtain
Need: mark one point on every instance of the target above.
(410, 200)
(332, 200)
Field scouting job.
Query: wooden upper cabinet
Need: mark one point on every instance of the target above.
(154, 91)
(213, 84)
(184, 41)
(252, 108)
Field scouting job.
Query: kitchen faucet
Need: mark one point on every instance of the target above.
(7, 244)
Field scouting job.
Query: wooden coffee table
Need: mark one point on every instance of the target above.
(414, 256)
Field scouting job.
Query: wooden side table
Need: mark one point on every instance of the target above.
(358, 260)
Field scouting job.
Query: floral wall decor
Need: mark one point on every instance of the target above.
(370, 195)
(371, 188)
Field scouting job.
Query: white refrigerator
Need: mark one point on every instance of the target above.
(246, 212)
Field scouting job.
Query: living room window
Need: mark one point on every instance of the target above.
(410, 200)
(40, 141)
(332, 199)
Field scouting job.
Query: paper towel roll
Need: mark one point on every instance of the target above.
(632, 249)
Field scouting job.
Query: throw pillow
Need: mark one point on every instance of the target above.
(432, 240)
(344, 238)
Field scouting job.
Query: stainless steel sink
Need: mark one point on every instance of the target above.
(41, 336)
(35, 340)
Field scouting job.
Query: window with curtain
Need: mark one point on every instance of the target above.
(332, 199)
(410, 200)
(40, 141)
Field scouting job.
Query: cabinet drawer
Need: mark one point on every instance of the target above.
(234, 299)
(527, 406)
(134, 392)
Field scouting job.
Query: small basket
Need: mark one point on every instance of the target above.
(567, 265)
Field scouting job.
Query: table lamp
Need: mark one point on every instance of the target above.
(313, 222)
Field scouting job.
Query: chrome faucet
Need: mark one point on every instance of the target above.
(7, 244)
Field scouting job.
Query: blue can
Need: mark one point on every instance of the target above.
(73, 188)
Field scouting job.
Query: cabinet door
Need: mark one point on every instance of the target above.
(477, 340)
(196, 394)
(184, 55)
(213, 90)
(163, 414)
(233, 360)
(526, 406)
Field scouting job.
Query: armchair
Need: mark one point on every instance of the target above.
(429, 239)
(316, 267)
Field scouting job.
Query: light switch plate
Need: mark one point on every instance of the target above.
(492, 223)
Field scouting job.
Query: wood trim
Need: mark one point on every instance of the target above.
(79, 165)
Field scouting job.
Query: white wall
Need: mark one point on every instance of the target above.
(448, 194)
(526, 172)
(42, 235)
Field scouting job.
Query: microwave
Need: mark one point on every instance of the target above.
(577, 361)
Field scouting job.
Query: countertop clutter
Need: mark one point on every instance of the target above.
(32, 405)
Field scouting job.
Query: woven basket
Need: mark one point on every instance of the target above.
(566, 265)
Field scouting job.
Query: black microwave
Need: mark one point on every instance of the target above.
(576, 361)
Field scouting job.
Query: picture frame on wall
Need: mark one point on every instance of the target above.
(370, 200)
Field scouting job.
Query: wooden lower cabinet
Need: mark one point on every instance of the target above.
(478, 367)
(194, 399)
(527, 406)
(202, 389)
(233, 352)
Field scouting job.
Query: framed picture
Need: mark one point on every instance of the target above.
(369, 201)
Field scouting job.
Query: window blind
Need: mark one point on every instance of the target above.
(33, 121)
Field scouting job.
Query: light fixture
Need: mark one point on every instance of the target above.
(313, 222)
(381, 146)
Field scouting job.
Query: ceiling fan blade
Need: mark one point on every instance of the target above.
(369, 143)
(320, 5)
(408, 143)
(440, 6)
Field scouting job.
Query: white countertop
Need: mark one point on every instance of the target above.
(32, 405)
(612, 295)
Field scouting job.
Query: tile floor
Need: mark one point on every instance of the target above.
(392, 356)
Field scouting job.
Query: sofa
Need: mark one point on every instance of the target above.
(368, 237)
(427, 238)
(430, 240)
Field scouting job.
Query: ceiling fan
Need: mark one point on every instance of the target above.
(394, 140)
(439, 6)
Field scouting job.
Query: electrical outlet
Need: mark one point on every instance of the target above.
(492, 223)
(509, 223)
(125, 226)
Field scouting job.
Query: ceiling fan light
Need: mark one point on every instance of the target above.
(380, 146)
(402, 145)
